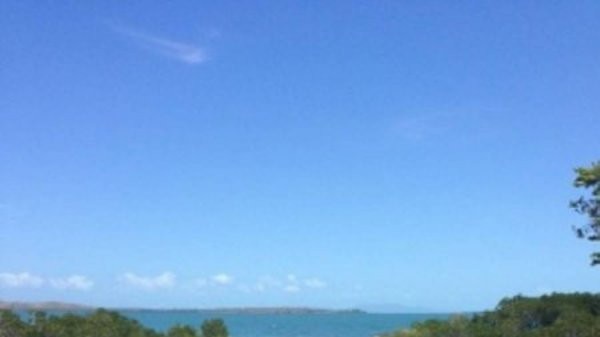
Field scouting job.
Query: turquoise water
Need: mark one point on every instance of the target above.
(282, 325)
(299, 325)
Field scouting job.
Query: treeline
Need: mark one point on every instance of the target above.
(101, 323)
(555, 315)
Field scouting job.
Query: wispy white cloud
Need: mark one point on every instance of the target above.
(217, 280)
(177, 50)
(222, 279)
(20, 280)
(291, 288)
(294, 284)
(314, 283)
(162, 281)
(290, 284)
(76, 282)
(263, 284)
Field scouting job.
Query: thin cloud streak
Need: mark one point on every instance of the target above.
(162, 281)
(222, 279)
(76, 282)
(18, 280)
(183, 52)
(290, 284)
(29, 280)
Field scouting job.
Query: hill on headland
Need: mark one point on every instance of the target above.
(49, 305)
(62, 306)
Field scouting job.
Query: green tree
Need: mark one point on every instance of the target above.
(589, 178)
(555, 315)
(38, 322)
(181, 331)
(11, 325)
(214, 328)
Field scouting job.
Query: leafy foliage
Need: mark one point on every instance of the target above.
(214, 328)
(181, 331)
(101, 323)
(556, 315)
(589, 178)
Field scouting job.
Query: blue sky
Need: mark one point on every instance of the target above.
(388, 155)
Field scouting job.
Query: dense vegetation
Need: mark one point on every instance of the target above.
(556, 315)
(101, 323)
(589, 178)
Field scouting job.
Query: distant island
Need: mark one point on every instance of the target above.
(62, 306)
(253, 310)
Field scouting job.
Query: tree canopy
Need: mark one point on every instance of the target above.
(589, 179)
(556, 315)
(101, 323)
(214, 328)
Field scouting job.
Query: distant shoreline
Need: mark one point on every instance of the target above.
(63, 306)
(250, 310)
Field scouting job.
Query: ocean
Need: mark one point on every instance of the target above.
(288, 325)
